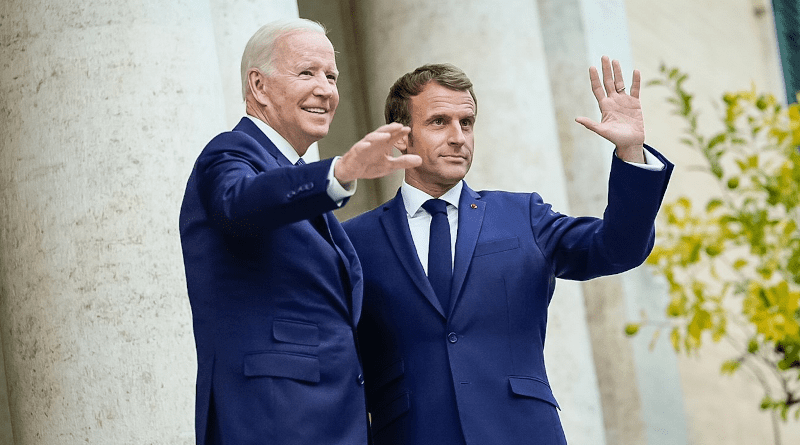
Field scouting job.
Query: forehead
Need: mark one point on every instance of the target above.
(304, 46)
(436, 99)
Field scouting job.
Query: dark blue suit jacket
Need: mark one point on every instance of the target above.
(474, 372)
(275, 304)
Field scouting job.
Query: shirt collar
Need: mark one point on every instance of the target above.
(280, 143)
(413, 198)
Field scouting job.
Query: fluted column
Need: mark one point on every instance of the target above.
(500, 47)
(104, 106)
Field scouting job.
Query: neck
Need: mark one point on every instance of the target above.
(433, 189)
(258, 113)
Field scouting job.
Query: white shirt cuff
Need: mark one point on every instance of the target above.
(651, 162)
(335, 190)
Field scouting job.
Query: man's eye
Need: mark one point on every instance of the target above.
(466, 123)
(332, 77)
(438, 121)
(305, 73)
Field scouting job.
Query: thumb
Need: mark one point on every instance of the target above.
(588, 123)
(406, 161)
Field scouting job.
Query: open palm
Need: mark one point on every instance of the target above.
(621, 119)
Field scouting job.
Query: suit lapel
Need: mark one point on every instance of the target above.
(395, 223)
(350, 301)
(248, 127)
(341, 243)
(470, 218)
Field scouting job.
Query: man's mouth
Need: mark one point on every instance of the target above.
(316, 110)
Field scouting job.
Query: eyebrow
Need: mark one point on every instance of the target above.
(437, 116)
(308, 65)
(446, 116)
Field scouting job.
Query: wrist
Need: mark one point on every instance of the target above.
(631, 154)
(341, 174)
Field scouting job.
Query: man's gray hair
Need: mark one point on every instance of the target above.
(260, 48)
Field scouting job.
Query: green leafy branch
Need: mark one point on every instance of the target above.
(734, 260)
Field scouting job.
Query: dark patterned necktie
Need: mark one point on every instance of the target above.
(440, 269)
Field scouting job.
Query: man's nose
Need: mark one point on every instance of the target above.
(323, 86)
(456, 136)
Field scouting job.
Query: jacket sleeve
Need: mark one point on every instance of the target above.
(584, 248)
(246, 192)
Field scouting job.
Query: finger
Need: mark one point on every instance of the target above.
(597, 86)
(400, 132)
(405, 161)
(608, 78)
(377, 137)
(389, 127)
(396, 133)
(394, 127)
(397, 138)
(619, 80)
(387, 134)
(636, 84)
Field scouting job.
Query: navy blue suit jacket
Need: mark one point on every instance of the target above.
(274, 303)
(474, 372)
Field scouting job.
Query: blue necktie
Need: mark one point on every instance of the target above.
(440, 268)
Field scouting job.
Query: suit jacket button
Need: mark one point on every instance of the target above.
(452, 337)
(360, 379)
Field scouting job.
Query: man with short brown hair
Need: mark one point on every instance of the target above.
(457, 282)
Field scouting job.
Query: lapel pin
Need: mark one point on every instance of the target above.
(474, 206)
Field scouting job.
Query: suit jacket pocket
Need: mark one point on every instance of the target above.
(282, 364)
(532, 387)
(496, 246)
(296, 332)
(387, 413)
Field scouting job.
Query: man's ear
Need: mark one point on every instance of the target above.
(257, 84)
(402, 144)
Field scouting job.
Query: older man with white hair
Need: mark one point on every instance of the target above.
(274, 283)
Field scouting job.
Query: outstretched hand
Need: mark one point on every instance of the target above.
(371, 157)
(621, 114)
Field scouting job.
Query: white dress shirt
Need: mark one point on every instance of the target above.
(335, 190)
(419, 220)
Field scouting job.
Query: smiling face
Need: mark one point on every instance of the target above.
(442, 122)
(300, 97)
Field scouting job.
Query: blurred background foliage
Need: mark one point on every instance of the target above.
(732, 263)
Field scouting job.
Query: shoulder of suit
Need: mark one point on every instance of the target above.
(505, 195)
(365, 218)
(238, 142)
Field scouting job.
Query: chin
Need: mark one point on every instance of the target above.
(456, 174)
(318, 132)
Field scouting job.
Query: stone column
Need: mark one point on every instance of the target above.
(640, 389)
(501, 49)
(104, 106)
